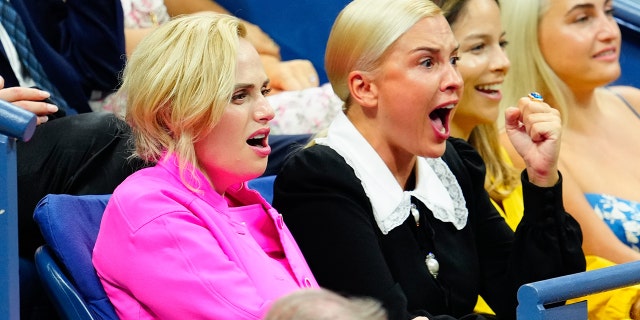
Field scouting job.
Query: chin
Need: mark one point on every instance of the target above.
(434, 151)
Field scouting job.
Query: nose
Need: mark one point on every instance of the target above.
(263, 111)
(452, 80)
(609, 29)
(500, 62)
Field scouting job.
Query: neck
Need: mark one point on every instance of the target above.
(398, 161)
(582, 110)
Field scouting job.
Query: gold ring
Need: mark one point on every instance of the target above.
(534, 96)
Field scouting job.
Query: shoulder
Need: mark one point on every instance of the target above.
(315, 161)
(147, 195)
(630, 94)
(315, 173)
(460, 154)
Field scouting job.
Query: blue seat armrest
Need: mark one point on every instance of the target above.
(67, 300)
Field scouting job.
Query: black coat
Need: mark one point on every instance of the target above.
(329, 214)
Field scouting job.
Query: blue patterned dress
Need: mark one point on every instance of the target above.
(622, 216)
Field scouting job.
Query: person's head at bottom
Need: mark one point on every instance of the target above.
(322, 304)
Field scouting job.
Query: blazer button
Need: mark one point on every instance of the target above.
(280, 221)
(307, 283)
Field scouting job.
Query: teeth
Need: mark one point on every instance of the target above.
(490, 87)
(443, 130)
(259, 136)
(451, 106)
(605, 53)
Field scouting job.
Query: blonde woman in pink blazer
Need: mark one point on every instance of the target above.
(186, 239)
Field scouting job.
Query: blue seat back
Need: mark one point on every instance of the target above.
(69, 225)
(264, 185)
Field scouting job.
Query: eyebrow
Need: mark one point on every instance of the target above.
(250, 85)
(434, 50)
(483, 35)
(581, 6)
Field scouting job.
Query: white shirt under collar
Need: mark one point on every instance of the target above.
(436, 186)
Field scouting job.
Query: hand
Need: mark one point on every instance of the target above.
(290, 75)
(534, 129)
(30, 99)
(261, 41)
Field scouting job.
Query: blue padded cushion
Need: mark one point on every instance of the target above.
(69, 224)
(264, 185)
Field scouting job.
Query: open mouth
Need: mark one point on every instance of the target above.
(490, 89)
(259, 140)
(440, 118)
(605, 53)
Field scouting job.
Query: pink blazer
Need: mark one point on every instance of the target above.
(165, 252)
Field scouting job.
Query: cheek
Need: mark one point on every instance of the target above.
(471, 66)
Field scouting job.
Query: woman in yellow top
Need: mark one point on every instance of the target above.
(483, 65)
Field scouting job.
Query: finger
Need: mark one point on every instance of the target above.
(543, 130)
(512, 118)
(39, 108)
(305, 73)
(295, 78)
(41, 120)
(14, 94)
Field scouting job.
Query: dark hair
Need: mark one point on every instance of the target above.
(452, 8)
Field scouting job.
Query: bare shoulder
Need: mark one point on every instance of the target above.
(631, 94)
(518, 162)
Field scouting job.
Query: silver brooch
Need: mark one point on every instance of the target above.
(432, 264)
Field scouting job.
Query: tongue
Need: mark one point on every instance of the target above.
(437, 123)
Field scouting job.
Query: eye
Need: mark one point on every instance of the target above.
(609, 12)
(454, 60)
(582, 18)
(238, 97)
(266, 91)
(477, 48)
(428, 63)
(504, 43)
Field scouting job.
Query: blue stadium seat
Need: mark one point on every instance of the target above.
(534, 298)
(627, 14)
(69, 225)
(67, 300)
(264, 185)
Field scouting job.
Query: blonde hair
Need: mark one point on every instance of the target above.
(178, 82)
(501, 178)
(362, 34)
(529, 70)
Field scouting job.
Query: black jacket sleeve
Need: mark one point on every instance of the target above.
(547, 242)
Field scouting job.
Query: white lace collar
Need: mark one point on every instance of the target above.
(436, 186)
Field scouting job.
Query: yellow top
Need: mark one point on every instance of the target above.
(613, 304)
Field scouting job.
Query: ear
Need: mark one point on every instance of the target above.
(363, 91)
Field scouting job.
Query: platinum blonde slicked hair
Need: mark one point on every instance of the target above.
(178, 82)
(362, 33)
(529, 70)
